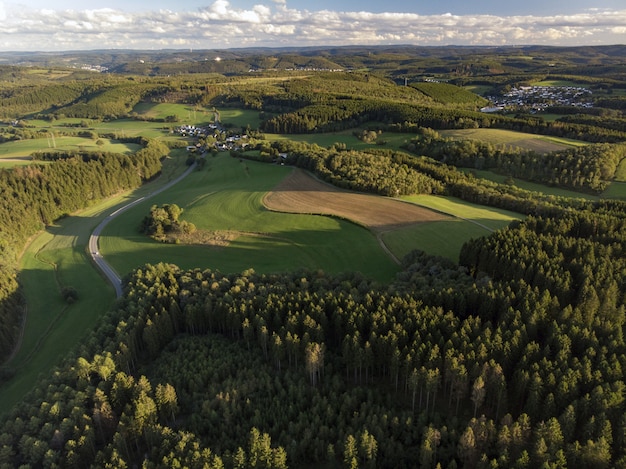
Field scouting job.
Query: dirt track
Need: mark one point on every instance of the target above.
(301, 193)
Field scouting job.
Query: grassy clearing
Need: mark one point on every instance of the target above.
(240, 118)
(199, 115)
(440, 238)
(558, 83)
(617, 190)
(227, 195)
(539, 143)
(24, 148)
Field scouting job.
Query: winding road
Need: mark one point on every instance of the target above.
(108, 271)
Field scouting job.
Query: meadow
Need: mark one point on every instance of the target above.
(538, 143)
(23, 149)
(226, 196)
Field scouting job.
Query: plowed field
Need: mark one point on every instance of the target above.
(302, 193)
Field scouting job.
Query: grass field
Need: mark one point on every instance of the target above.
(538, 143)
(24, 148)
(445, 238)
(558, 83)
(227, 196)
(617, 190)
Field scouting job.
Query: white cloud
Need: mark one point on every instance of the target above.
(221, 25)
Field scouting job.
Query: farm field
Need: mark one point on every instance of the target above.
(22, 149)
(224, 201)
(538, 143)
(301, 193)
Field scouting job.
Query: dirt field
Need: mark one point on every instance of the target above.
(301, 193)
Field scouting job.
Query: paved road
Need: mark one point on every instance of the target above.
(109, 272)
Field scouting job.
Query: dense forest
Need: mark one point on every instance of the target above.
(511, 357)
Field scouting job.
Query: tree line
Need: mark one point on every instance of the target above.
(588, 168)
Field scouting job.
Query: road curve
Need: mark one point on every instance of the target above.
(109, 272)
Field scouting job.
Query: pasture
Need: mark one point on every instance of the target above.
(538, 143)
(21, 149)
(226, 198)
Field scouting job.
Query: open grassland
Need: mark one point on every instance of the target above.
(446, 237)
(226, 197)
(617, 190)
(25, 148)
(538, 143)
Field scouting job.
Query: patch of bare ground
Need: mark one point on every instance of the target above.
(215, 239)
(302, 193)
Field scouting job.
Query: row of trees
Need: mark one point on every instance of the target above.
(586, 168)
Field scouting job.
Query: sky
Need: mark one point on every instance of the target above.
(62, 25)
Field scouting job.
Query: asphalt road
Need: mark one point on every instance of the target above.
(94, 250)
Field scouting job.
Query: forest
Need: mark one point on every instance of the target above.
(511, 357)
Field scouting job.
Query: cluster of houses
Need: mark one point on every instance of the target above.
(539, 98)
(221, 140)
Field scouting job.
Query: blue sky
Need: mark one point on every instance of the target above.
(46, 25)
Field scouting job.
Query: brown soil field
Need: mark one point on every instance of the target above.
(302, 193)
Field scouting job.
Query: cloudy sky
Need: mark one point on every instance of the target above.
(57, 25)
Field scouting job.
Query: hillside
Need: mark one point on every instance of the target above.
(277, 325)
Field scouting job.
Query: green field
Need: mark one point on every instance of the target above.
(538, 143)
(227, 196)
(24, 148)
(530, 186)
(557, 83)
(445, 238)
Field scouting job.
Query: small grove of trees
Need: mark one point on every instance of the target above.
(163, 222)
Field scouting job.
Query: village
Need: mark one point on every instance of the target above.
(212, 137)
(540, 98)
